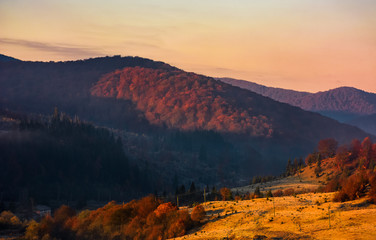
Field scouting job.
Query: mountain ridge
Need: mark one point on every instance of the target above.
(343, 103)
(171, 120)
(221, 103)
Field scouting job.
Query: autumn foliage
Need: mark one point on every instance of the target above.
(178, 99)
(198, 213)
(147, 218)
(353, 187)
(356, 165)
(225, 194)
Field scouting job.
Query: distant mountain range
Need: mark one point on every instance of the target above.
(177, 123)
(367, 123)
(345, 104)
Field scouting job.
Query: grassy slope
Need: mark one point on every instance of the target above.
(305, 181)
(302, 217)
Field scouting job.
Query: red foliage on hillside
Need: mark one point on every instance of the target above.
(183, 100)
(356, 170)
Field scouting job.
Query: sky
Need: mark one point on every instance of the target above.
(306, 45)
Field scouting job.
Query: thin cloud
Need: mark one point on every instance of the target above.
(141, 44)
(63, 49)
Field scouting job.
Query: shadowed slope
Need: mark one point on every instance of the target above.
(342, 103)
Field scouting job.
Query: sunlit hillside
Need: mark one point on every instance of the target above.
(304, 216)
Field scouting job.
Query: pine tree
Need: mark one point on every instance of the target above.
(269, 194)
(192, 188)
(257, 192)
(288, 167)
(182, 189)
(296, 165)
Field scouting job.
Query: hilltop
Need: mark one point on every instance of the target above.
(343, 104)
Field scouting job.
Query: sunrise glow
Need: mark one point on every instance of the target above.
(295, 44)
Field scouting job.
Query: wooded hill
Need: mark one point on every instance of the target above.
(172, 122)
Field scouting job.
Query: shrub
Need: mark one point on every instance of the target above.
(288, 192)
(372, 192)
(198, 213)
(278, 193)
(176, 229)
(333, 185)
(8, 220)
(164, 208)
(146, 218)
(32, 230)
(352, 188)
(238, 198)
(63, 213)
(226, 194)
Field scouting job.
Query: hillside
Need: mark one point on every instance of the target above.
(4, 58)
(342, 103)
(287, 208)
(38, 87)
(63, 159)
(303, 205)
(183, 126)
(305, 216)
(367, 123)
(189, 101)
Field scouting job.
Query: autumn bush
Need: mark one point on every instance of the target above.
(278, 193)
(352, 188)
(147, 218)
(238, 198)
(372, 192)
(288, 192)
(63, 213)
(333, 185)
(198, 213)
(9, 220)
(355, 165)
(226, 194)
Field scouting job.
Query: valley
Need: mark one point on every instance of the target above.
(127, 120)
(134, 126)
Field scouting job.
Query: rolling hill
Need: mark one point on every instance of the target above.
(188, 101)
(184, 126)
(343, 104)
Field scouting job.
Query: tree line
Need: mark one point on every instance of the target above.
(63, 158)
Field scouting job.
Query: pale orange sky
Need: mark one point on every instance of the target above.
(297, 44)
